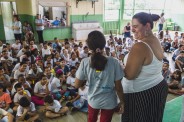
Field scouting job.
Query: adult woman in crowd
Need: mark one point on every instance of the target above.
(144, 86)
(127, 30)
(17, 28)
(103, 75)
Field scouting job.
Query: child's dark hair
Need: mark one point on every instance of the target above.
(96, 40)
(48, 99)
(72, 67)
(178, 72)
(24, 102)
(145, 18)
(2, 87)
(18, 85)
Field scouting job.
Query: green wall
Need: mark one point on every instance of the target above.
(2, 34)
(60, 33)
(83, 18)
(179, 20)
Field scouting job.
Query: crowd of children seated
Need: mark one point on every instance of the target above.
(175, 46)
(44, 75)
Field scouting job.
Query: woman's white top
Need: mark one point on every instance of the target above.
(149, 76)
(19, 25)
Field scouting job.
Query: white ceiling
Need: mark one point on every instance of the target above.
(52, 3)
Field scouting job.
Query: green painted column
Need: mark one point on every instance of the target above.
(2, 33)
(122, 3)
(27, 10)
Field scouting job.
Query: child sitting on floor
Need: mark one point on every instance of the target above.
(80, 101)
(174, 85)
(54, 108)
(26, 111)
(165, 71)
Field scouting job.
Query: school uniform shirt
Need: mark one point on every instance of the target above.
(3, 112)
(45, 52)
(50, 81)
(39, 88)
(70, 80)
(73, 62)
(17, 66)
(20, 109)
(18, 72)
(18, 96)
(19, 25)
(39, 21)
(56, 106)
(20, 53)
(39, 70)
(55, 84)
(14, 90)
(83, 55)
(83, 93)
(16, 46)
(101, 93)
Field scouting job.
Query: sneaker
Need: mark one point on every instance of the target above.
(68, 104)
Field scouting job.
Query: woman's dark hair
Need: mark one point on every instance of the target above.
(17, 17)
(97, 40)
(48, 99)
(24, 102)
(145, 18)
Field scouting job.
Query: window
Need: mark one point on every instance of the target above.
(150, 6)
(112, 8)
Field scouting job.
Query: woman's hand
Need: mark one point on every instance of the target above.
(120, 108)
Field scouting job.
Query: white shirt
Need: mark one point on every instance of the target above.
(83, 55)
(19, 25)
(70, 80)
(161, 20)
(3, 112)
(39, 21)
(39, 70)
(149, 76)
(39, 88)
(45, 52)
(56, 106)
(20, 109)
(13, 89)
(17, 67)
(84, 93)
(55, 84)
(73, 62)
(18, 96)
(16, 46)
(17, 73)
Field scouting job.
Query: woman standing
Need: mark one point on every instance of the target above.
(144, 86)
(127, 29)
(17, 28)
(161, 22)
(103, 75)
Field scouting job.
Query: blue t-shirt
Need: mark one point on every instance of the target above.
(101, 94)
(56, 23)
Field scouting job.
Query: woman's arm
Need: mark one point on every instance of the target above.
(135, 61)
